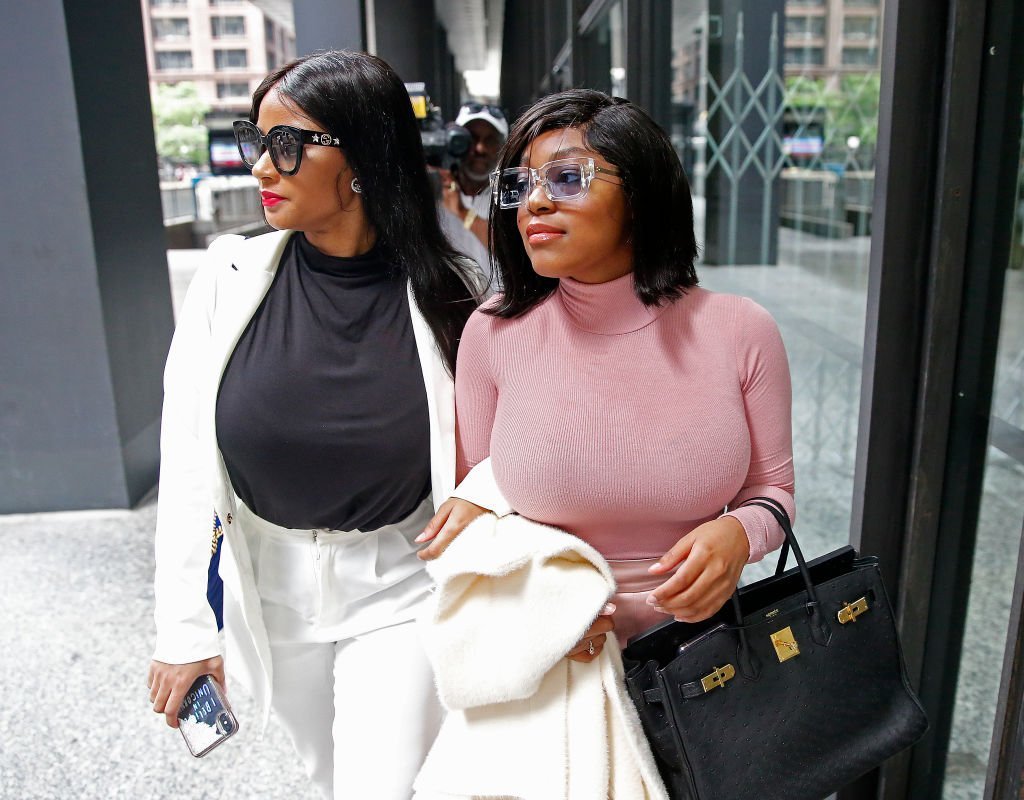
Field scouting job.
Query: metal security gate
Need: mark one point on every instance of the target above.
(754, 123)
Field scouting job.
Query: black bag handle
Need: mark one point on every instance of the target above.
(780, 566)
(821, 632)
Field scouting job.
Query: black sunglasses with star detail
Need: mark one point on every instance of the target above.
(284, 142)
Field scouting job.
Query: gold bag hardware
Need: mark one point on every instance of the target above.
(718, 677)
(785, 644)
(850, 611)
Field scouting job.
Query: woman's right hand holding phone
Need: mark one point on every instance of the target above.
(168, 683)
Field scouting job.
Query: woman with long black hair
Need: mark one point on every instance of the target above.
(309, 422)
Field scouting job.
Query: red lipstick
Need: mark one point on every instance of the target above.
(270, 199)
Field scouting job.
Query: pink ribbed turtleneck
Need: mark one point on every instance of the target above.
(625, 425)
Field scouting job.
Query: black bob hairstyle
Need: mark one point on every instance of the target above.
(361, 100)
(657, 195)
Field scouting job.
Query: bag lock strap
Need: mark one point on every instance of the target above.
(850, 611)
(713, 680)
(689, 691)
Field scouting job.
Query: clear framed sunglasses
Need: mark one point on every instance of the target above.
(564, 179)
(284, 142)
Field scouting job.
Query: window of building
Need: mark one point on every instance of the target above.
(174, 59)
(165, 28)
(227, 26)
(861, 3)
(860, 56)
(271, 60)
(224, 2)
(817, 3)
(158, 3)
(805, 55)
(859, 28)
(805, 27)
(230, 59)
(230, 89)
(268, 30)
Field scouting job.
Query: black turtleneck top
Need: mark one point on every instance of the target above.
(322, 410)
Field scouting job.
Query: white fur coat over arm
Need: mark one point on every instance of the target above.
(512, 599)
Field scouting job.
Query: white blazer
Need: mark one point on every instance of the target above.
(194, 484)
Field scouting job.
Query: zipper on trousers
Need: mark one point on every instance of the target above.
(317, 576)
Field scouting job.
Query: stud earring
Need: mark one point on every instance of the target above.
(356, 187)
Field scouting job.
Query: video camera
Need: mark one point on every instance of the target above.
(444, 146)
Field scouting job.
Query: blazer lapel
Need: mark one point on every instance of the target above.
(239, 293)
(440, 404)
(241, 286)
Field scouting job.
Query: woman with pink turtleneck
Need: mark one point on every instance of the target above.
(616, 399)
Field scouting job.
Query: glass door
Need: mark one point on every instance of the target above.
(776, 128)
(996, 565)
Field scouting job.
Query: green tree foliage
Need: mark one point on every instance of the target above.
(178, 114)
(851, 108)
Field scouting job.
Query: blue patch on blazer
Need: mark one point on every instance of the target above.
(214, 584)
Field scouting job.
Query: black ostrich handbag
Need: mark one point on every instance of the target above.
(793, 690)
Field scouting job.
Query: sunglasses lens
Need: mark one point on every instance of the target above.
(285, 147)
(513, 186)
(250, 147)
(565, 180)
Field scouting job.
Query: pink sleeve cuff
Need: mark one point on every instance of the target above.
(763, 532)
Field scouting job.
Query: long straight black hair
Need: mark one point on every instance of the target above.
(361, 100)
(657, 194)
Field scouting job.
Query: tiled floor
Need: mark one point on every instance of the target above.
(77, 606)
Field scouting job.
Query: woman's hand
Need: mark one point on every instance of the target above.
(590, 646)
(712, 557)
(168, 683)
(449, 521)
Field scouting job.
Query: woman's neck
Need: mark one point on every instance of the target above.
(344, 241)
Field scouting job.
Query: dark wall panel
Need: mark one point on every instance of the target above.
(85, 318)
(328, 25)
(111, 87)
(406, 40)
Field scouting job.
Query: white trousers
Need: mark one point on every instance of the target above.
(351, 684)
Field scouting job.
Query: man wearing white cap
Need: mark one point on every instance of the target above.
(467, 195)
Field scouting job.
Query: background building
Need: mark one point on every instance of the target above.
(829, 38)
(224, 47)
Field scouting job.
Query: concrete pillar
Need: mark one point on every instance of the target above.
(328, 25)
(406, 40)
(85, 315)
(649, 58)
(404, 34)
